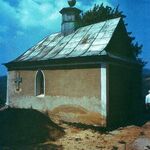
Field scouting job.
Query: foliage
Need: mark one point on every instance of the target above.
(101, 13)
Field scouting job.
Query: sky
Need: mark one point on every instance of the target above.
(23, 23)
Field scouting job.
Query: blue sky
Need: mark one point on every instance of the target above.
(25, 22)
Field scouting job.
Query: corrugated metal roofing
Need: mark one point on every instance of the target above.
(86, 41)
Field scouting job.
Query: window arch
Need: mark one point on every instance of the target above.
(40, 84)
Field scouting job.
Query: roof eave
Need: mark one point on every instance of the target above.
(55, 62)
(69, 63)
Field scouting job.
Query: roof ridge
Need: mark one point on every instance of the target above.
(87, 25)
(99, 22)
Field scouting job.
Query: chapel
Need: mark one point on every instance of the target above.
(87, 75)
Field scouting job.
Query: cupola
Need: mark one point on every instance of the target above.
(70, 16)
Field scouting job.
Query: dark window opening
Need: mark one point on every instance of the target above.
(39, 83)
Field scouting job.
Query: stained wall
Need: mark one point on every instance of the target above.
(77, 87)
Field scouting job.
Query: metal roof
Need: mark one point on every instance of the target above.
(86, 41)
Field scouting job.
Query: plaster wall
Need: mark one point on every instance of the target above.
(77, 87)
(73, 83)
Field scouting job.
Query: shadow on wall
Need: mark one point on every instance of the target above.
(3, 89)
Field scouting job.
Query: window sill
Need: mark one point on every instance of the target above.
(40, 96)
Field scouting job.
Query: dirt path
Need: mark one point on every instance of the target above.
(120, 139)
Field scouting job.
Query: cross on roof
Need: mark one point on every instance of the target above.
(18, 80)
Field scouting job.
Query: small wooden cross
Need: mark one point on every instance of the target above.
(18, 80)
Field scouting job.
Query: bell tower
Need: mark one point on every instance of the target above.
(70, 16)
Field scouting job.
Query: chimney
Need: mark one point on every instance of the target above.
(69, 18)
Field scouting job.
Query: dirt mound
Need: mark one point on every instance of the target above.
(24, 126)
(77, 114)
(70, 109)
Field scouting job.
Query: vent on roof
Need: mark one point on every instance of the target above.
(69, 18)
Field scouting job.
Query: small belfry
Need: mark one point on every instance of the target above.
(70, 17)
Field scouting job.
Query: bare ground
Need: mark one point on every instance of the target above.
(80, 137)
(121, 139)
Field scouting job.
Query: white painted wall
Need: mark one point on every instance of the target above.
(10, 85)
(103, 90)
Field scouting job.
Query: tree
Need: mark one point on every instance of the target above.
(101, 13)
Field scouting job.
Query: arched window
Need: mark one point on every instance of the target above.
(40, 84)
